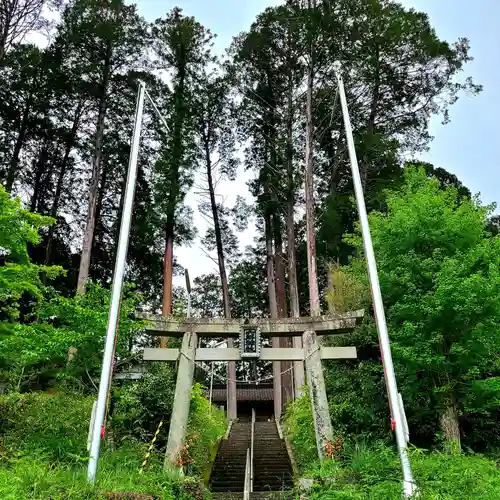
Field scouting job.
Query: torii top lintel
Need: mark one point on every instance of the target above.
(165, 326)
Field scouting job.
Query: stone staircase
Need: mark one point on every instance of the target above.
(272, 469)
(228, 473)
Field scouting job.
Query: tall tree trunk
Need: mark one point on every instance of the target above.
(116, 229)
(177, 153)
(286, 366)
(231, 382)
(21, 137)
(370, 129)
(45, 186)
(450, 425)
(298, 366)
(39, 171)
(314, 303)
(273, 310)
(60, 181)
(277, 305)
(98, 226)
(88, 236)
(315, 379)
(279, 267)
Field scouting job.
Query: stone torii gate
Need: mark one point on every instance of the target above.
(249, 331)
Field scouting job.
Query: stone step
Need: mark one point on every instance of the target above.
(272, 469)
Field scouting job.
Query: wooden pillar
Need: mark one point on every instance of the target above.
(277, 382)
(299, 378)
(287, 392)
(182, 399)
(317, 391)
(232, 410)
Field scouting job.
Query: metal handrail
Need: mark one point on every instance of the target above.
(247, 487)
(252, 437)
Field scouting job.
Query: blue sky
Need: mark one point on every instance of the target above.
(467, 147)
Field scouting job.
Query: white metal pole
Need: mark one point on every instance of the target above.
(116, 289)
(409, 487)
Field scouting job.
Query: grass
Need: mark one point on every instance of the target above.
(43, 452)
(374, 473)
(25, 478)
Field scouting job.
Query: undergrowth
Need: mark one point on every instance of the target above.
(43, 452)
(372, 471)
(375, 473)
(54, 426)
(207, 424)
(26, 478)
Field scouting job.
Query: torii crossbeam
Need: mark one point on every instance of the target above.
(311, 354)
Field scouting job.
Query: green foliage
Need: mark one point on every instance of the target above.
(118, 473)
(36, 352)
(299, 428)
(49, 426)
(356, 391)
(44, 455)
(375, 473)
(143, 404)
(440, 276)
(345, 293)
(207, 424)
(18, 227)
(41, 324)
(18, 277)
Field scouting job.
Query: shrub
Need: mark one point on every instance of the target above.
(299, 428)
(143, 404)
(207, 424)
(51, 425)
(34, 353)
(374, 472)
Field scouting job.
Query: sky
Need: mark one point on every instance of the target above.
(467, 146)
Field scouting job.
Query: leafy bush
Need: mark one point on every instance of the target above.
(53, 426)
(34, 354)
(143, 404)
(19, 278)
(439, 270)
(299, 428)
(375, 473)
(207, 424)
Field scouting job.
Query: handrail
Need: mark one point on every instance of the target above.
(278, 427)
(247, 486)
(252, 438)
(289, 449)
(228, 431)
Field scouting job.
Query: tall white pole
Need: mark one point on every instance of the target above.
(116, 290)
(409, 487)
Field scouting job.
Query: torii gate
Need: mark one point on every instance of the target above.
(250, 332)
